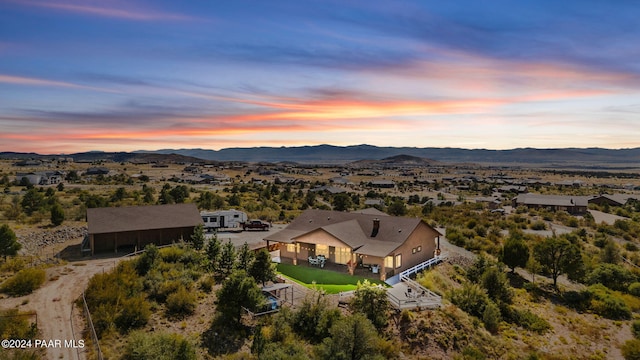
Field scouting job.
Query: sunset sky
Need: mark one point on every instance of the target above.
(123, 75)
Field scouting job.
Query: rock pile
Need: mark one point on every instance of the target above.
(36, 239)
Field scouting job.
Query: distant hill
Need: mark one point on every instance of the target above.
(395, 161)
(94, 156)
(329, 154)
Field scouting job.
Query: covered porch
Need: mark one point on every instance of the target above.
(362, 271)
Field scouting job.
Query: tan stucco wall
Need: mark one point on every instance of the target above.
(424, 236)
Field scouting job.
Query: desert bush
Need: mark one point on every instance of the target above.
(24, 282)
(491, 317)
(182, 302)
(631, 349)
(315, 317)
(634, 289)
(171, 254)
(134, 313)
(607, 303)
(14, 326)
(579, 300)
(13, 264)
(207, 283)
(144, 346)
(635, 329)
(526, 319)
(538, 225)
(615, 277)
(631, 247)
(471, 298)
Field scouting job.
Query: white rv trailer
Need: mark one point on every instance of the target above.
(223, 219)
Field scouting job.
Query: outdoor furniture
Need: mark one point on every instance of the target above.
(318, 261)
(375, 269)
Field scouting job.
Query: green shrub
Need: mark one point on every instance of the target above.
(607, 303)
(526, 319)
(615, 277)
(207, 284)
(579, 300)
(631, 247)
(182, 302)
(631, 349)
(471, 298)
(143, 346)
(539, 225)
(491, 317)
(634, 289)
(14, 326)
(24, 282)
(135, 313)
(172, 254)
(13, 265)
(635, 329)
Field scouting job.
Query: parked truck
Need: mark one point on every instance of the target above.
(255, 225)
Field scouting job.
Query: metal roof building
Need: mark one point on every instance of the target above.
(134, 227)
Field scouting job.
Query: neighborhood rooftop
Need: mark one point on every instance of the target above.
(136, 218)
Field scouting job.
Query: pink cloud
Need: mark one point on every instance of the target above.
(29, 81)
(122, 12)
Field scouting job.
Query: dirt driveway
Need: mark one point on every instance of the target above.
(53, 303)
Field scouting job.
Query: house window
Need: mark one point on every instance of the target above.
(388, 262)
(292, 248)
(343, 255)
(236, 216)
(398, 260)
(205, 219)
(322, 250)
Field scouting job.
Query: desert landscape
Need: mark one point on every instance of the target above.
(480, 210)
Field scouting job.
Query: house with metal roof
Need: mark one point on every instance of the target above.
(614, 199)
(385, 244)
(575, 205)
(134, 227)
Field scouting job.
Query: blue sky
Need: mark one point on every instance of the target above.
(119, 75)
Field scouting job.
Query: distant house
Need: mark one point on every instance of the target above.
(329, 189)
(374, 202)
(388, 244)
(614, 199)
(383, 184)
(575, 205)
(41, 177)
(134, 227)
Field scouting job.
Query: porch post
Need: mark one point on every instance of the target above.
(295, 253)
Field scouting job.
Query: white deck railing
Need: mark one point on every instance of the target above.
(422, 266)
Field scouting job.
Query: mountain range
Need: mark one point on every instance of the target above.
(329, 154)
(345, 154)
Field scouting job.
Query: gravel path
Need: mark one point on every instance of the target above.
(54, 301)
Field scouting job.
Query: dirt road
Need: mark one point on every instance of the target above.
(53, 304)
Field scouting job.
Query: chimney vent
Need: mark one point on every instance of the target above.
(376, 227)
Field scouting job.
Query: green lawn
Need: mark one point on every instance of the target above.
(332, 282)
